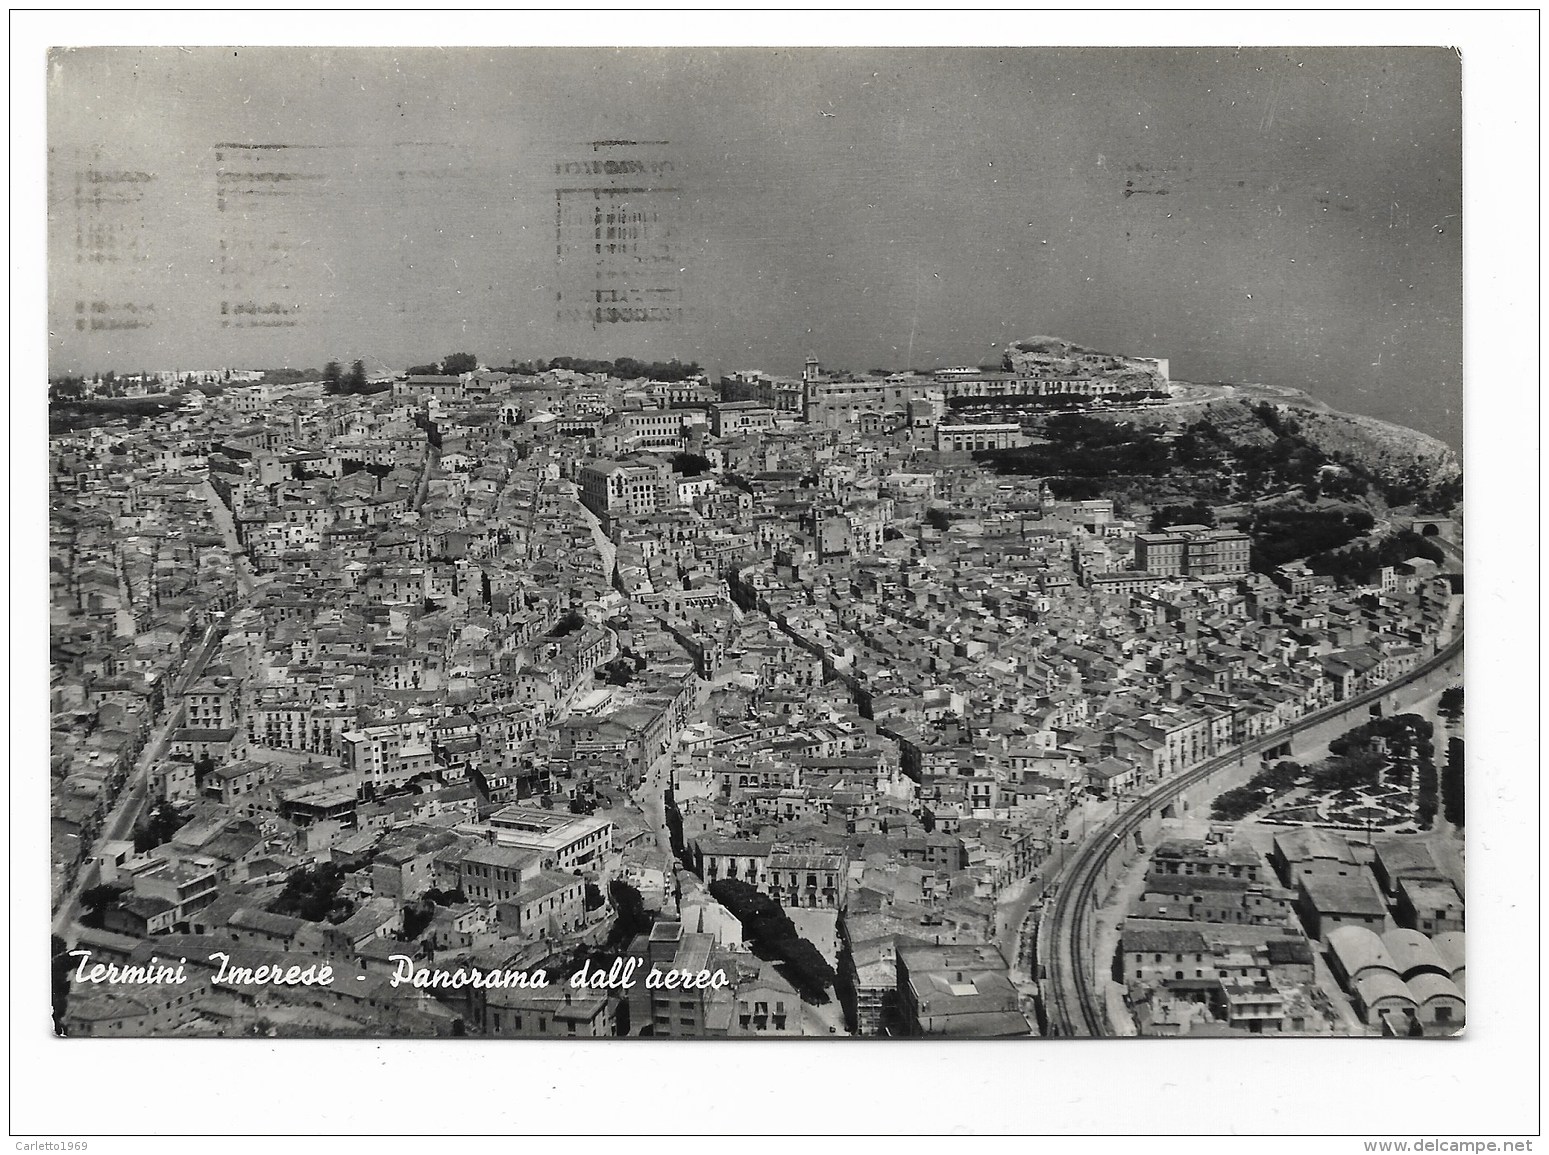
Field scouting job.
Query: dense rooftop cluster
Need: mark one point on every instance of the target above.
(464, 668)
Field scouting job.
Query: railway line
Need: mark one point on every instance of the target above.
(1073, 998)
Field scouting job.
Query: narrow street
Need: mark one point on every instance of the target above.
(126, 811)
(133, 798)
(605, 547)
(247, 584)
(432, 459)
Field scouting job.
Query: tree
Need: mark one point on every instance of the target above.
(630, 917)
(690, 464)
(66, 389)
(1348, 771)
(162, 824)
(938, 518)
(312, 893)
(416, 917)
(457, 363)
(618, 672)
(333, 377)
(1452, 783)
(772, 936)
(1237, 803)
(97, 899)
(357, 381)
(1425, 795)
(1195, 513)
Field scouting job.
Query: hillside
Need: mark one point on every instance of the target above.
(1225, 444)
(1390, 452)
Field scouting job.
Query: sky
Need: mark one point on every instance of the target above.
(1278, 215)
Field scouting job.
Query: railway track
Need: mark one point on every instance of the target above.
(1073, 997)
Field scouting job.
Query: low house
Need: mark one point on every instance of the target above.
(552, 904)
(1429, 906)
(960, 991)
(767, 1006)
(558, 1011)
(1328, 903)
(1311, 853)
(1398, 860)
(1151, 952)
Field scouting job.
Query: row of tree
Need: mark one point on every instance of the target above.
(336, 381)
(1452, 783)
(623, 368)
(1361, 560)
(1260, 790)
(772, 936)
(452, 365)
(1426, 795)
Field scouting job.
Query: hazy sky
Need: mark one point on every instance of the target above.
(1292, 216)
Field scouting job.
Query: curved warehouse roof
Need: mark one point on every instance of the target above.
(1450, 946)
(1358, 950)
(1376, 985)
(1424, 988)
(1413, 953)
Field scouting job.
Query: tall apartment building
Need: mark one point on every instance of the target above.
(613, 489)
(1192, 551)
(655, 428)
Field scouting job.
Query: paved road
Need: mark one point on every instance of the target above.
(126, 811)
(247, 584)
(605, 547)
(132, 800)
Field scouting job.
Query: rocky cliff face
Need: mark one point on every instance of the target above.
(1390, 451)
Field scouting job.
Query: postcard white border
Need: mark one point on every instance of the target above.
(1484, 1084)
